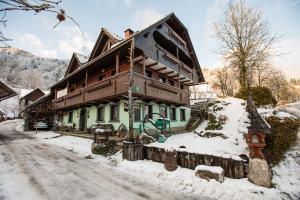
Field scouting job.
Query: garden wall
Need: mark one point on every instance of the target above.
(232, 168)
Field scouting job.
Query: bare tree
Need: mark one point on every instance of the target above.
(245, 39)
(280, 87)
(29, 6)
(262, 74)
(222, 80)
(31, 79)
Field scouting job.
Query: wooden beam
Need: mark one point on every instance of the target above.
(185, 81)
(152, 64)
(171, 72)
(138, 59)
(160, 69)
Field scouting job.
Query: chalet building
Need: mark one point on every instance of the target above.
(159, 64)
(6, 91)
(40, 109)
(29, 96)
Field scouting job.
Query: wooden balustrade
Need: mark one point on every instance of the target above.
(117, 85)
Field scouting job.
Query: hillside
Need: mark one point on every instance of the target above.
(22, 69)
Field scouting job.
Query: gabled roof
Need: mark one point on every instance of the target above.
(39, 100)
(6, 91)
(31, 91)
(119, 42)
(77, 60)
(104, 37)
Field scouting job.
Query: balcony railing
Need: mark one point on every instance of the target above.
(174, 63)
(156, 90)
(118, 85)
(113, 86)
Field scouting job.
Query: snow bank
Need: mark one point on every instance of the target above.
(233, 146)
(213, 169)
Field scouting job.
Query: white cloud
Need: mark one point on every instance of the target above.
(70, 39)
(289, 62)
(145, 17)
(114, 3)
(32, 43)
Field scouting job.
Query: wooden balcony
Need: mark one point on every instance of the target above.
(157, 91)
(174, 63)
(116, 86)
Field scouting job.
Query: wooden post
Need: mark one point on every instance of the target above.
(86, 77)
(144, 66)
(130, 111)
(117, 63)
(178, 81)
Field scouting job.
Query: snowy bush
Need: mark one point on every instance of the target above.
(213, 123)
(261, 96)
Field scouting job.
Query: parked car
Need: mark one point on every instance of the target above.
(41, 124)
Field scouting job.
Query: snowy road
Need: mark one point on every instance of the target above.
(30, 169)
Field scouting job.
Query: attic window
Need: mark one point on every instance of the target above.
(160, 26)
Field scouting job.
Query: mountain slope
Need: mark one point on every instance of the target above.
(22, 69)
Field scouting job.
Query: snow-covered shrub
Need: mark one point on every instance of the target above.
(282, 138)
(213, 123)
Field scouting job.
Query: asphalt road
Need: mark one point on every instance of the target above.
(30, 169)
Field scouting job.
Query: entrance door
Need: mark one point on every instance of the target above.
(82, 119)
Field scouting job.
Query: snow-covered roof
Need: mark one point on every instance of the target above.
(114, 35)
(81, 58)
(24, 92)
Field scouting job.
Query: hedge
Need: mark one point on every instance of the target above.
(283, 137)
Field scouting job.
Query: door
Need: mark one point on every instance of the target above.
(82, 120)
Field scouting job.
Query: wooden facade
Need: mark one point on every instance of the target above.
(164, 65)
(30, 98)
(39, 109)
(6, 91)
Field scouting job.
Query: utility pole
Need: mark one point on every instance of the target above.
(130, 111)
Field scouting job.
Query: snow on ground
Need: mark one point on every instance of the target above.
(234, 145)
(286, 176)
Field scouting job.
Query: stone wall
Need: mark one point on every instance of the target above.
(232, 168)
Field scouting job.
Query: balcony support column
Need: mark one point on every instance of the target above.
(117, 63)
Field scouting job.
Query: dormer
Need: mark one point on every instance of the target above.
(77, 60)
(104, 42)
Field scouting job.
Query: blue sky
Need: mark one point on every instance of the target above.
(35, 33)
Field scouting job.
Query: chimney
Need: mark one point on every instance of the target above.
(128, 33)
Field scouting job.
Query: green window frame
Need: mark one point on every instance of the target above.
(114, 113)
(70, 116)
(100, 113)
(173, 113)
(182, 115)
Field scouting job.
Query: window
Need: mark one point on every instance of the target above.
(162, 79)
(114, 113)
(100, 78)
(148, 74)
(163, 111)
(182, 114)
(100, 114)
(83, 85)
(70, 117)
(171, 82)
(148, 111)
(173, 114)
(137, 114)
(181, 86)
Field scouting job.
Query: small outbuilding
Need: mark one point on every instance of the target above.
(40, 109)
